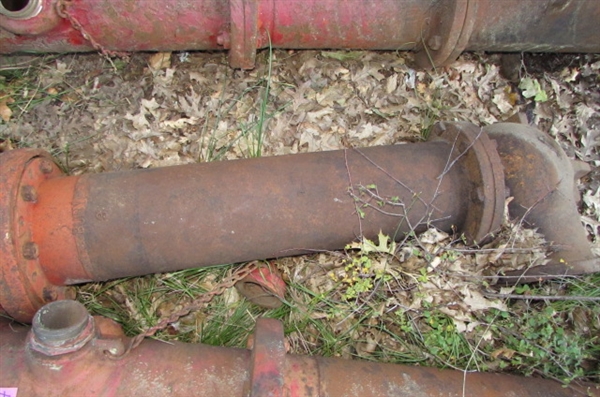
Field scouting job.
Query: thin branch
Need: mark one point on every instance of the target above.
(415, 194)
(351, 191)
(543, 297)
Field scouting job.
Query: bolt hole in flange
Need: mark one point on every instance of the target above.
(20, 9)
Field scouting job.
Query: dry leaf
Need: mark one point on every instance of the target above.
(503, 353)
(160, 60)
(5, 146)
(5, 111)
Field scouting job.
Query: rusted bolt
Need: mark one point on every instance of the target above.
(223, 39)
(480, 194)
(250, 342)
(46, 166)
(28, 193)
(30, 250)
(435, 42)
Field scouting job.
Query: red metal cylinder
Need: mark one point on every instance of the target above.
(439, 30)
(154, 368)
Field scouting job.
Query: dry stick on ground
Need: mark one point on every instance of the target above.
(543, 297)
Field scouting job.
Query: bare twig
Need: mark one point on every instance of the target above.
(543, 297)
(399, 182)
(351, 191)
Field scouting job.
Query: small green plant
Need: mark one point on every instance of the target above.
(442, 339)
(539, 342)
(531, 88)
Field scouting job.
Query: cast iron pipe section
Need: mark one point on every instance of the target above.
(438, 30)
(69, 353)
(61, 230)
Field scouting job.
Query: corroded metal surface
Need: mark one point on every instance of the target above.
(483, 176)
(24, 285)
(105, 226)
(541, 179)
(438, 30)
(156, 369)
(225, 212)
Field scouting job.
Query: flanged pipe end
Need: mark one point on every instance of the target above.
(448, 34)
(24, 287)
(61, 327)
(475, 153)
(540, 177)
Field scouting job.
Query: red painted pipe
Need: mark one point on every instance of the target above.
(69, 353)
(438, 30)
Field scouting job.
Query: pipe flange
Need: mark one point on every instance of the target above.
(268, 359)
(24, 287)
(243, 37)
(476, 154)
(449, 33)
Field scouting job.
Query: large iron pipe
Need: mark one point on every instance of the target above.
(438, 30)
(69, 353)
(61, 230)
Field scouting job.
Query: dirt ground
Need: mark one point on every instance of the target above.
(153, 110)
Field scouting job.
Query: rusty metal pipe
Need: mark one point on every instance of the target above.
(61, 230)
(438, 30)
(540, 177)
(69, 353)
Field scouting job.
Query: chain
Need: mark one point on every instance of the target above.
(196, 304)
(61, 9)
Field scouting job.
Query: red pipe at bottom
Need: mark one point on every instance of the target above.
(69, 353)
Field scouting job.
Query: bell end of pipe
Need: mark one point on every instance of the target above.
(476, 154)
(24, 287)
